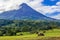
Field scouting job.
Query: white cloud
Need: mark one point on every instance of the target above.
(37, 5)
(58, 3)
(56, 17)
(6, 5)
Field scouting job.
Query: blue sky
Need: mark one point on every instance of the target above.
(50, 2)
(49, 8)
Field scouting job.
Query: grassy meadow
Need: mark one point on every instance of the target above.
(53, 34)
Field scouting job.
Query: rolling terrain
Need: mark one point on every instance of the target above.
(24, 23)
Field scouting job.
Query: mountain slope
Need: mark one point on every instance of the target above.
(25, 12)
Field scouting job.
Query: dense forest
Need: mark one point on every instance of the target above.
(10, 28)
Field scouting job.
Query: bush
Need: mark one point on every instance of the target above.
(18, 34)
(41, 34)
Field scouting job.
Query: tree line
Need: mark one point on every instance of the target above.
(11, 28)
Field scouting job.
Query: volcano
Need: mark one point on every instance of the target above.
(24, 12)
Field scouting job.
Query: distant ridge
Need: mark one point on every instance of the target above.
(25, 12)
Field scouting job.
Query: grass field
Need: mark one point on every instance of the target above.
(49, 35)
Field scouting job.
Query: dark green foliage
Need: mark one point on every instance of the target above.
(5, 22)
(10, 28)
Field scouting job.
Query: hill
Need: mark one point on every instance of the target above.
(25, 12)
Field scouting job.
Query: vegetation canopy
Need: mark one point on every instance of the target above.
(12, 28)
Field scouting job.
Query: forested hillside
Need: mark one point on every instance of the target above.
(10, 28)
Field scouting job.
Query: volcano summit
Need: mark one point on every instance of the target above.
(24, 12)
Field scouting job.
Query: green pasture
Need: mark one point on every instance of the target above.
(28, 36)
